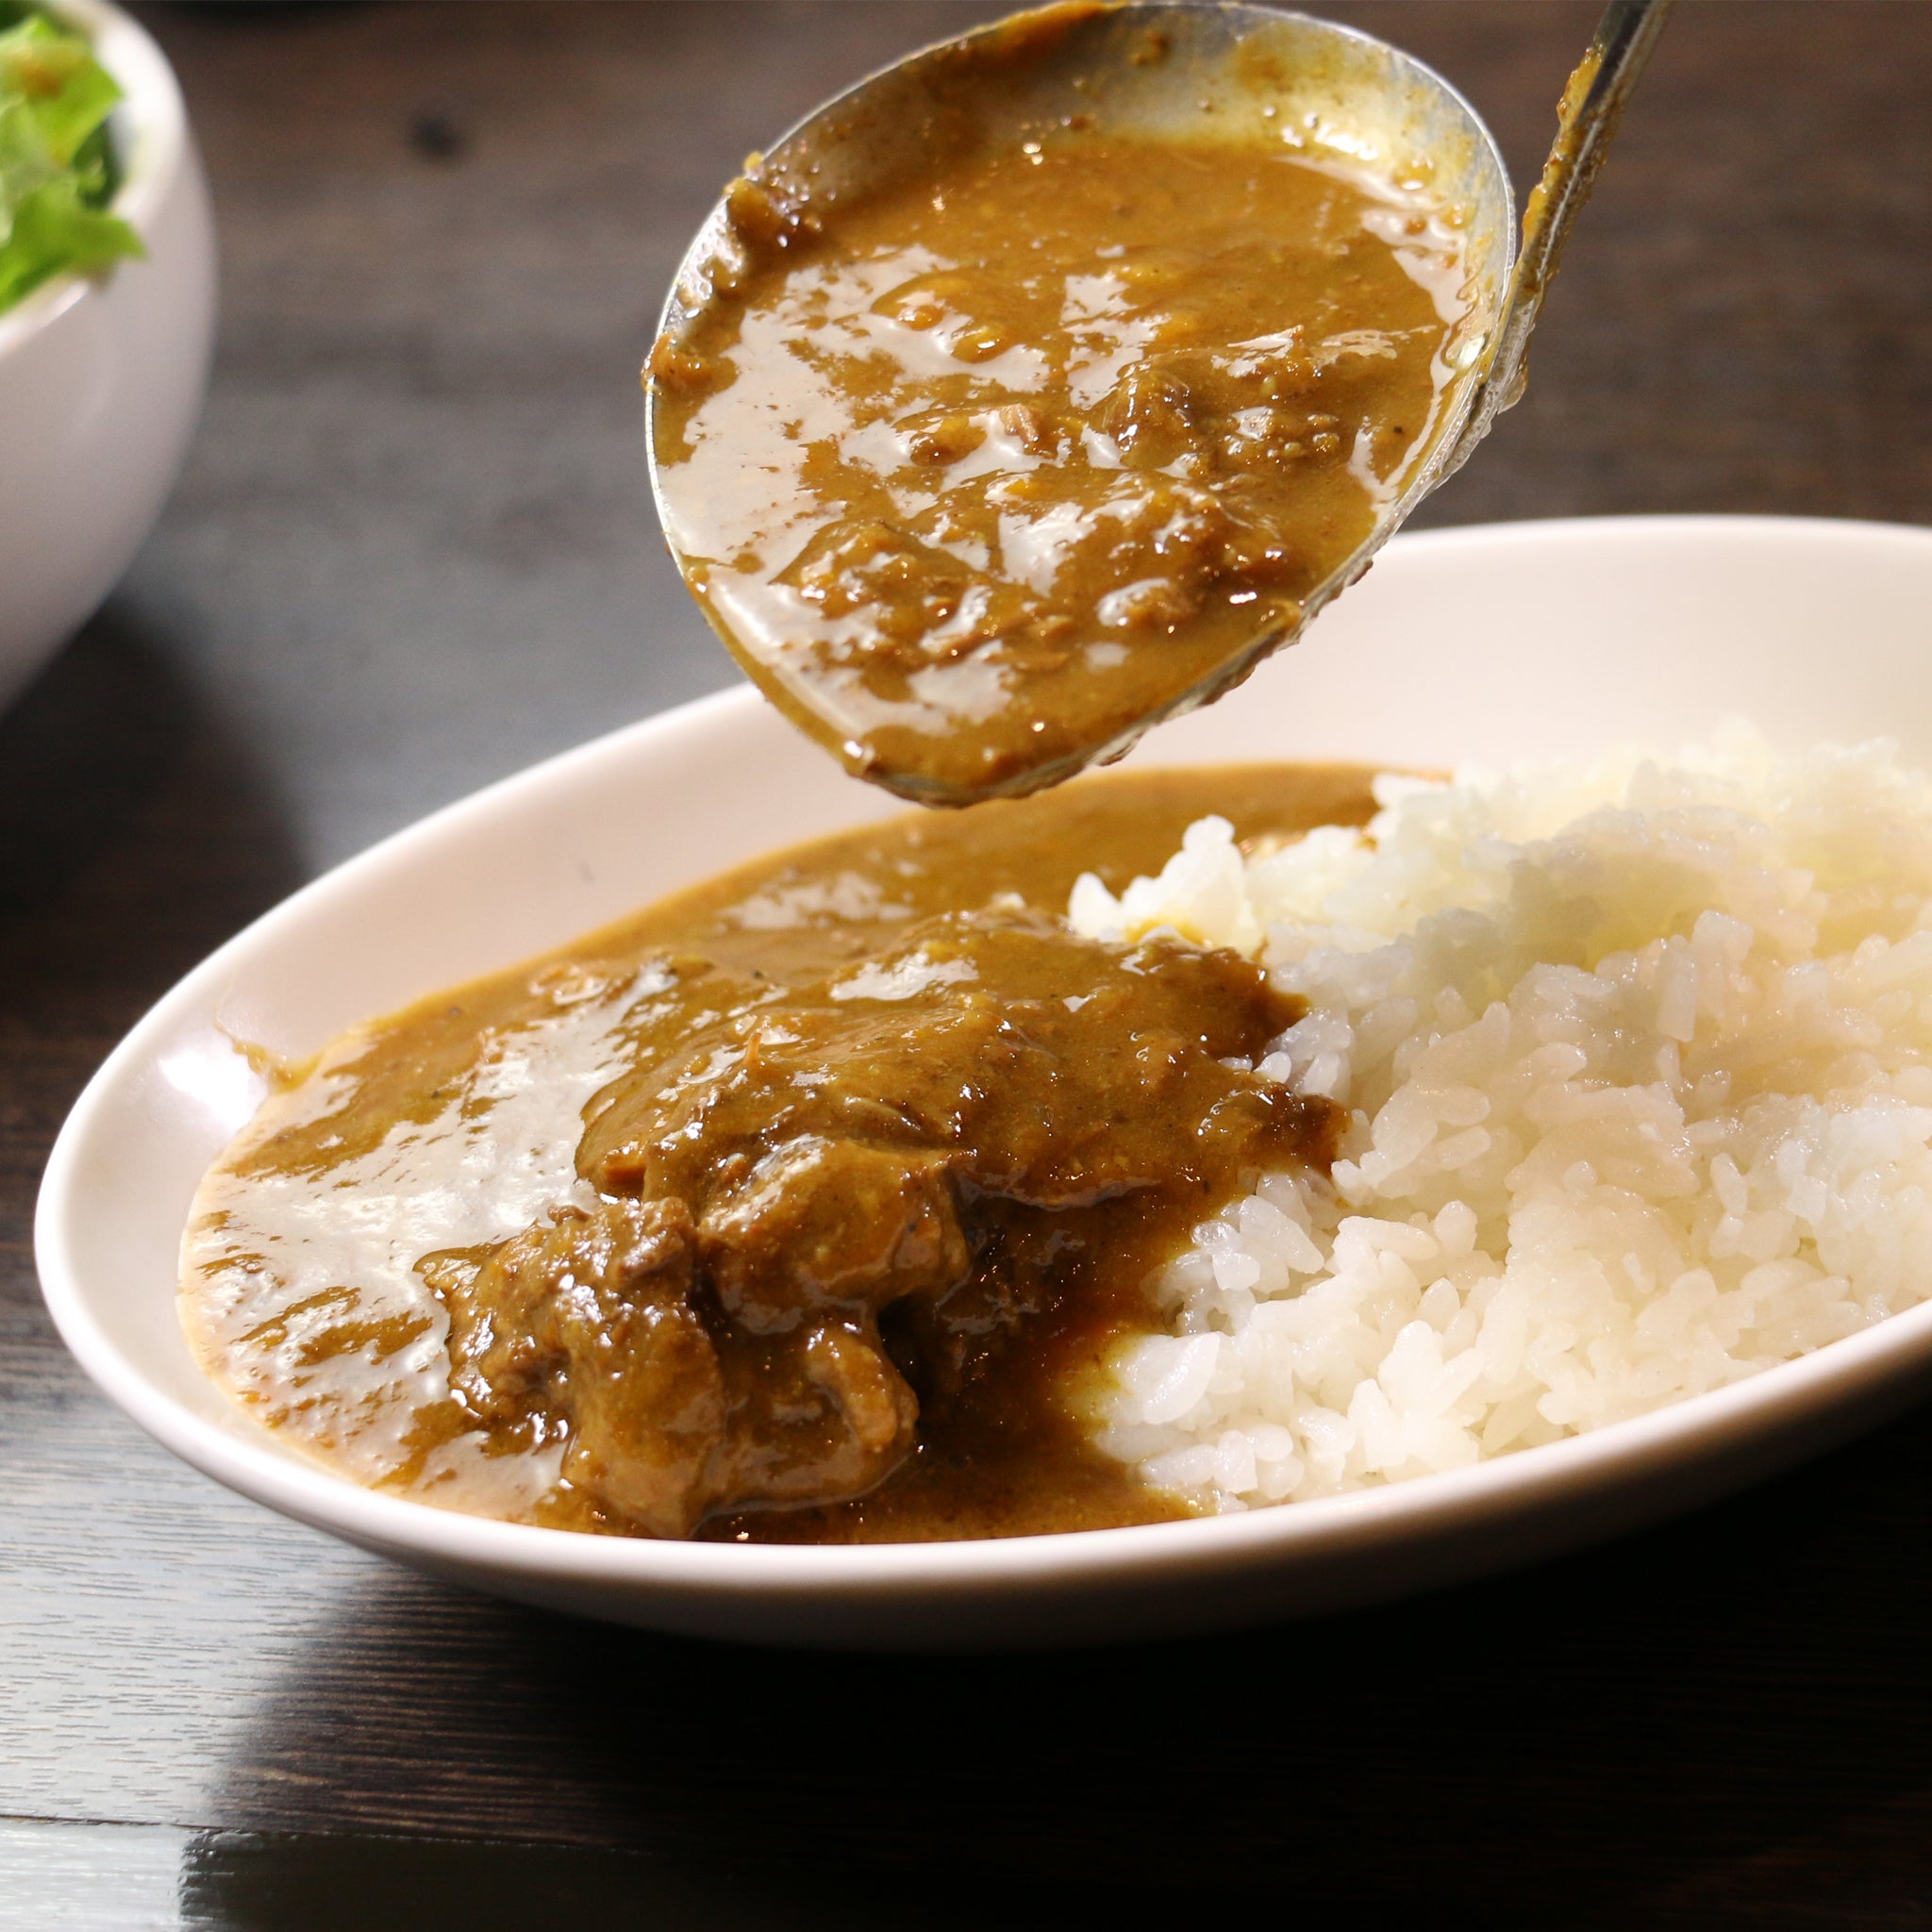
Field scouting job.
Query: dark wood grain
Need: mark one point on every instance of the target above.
(412, 551)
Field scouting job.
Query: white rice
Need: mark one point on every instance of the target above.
(1637, 1055)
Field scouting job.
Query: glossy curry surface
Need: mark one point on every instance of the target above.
(803, 1206)
(977, 472)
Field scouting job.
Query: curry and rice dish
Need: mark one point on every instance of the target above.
(1171, 1143)
(1166, 1144)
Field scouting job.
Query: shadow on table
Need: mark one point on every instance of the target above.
(110, 755)
(1653, 1729)
(80, 751)
(245, 1882)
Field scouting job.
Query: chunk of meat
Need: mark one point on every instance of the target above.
(819, 1223)
(594, 1307)
(589, 1323)
(819, 1414)
(942, 1130)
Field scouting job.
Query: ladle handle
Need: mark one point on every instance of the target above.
(1586, 120)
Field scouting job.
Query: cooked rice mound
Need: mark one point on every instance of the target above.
(1638, 1060)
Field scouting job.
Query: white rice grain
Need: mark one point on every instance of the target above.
(1635, 1056)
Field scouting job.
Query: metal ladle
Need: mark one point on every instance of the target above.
(1249, 65)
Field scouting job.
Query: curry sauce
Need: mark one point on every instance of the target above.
(980, 470)
(802, 1206)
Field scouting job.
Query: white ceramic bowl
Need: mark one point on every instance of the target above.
(1483, 643)
(101, 380)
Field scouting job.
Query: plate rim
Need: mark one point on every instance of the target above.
(1606, 1460)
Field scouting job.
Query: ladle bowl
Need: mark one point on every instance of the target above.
(1165, 67)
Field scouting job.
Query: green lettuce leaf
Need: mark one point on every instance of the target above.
(57, 168)
(54, 231)
(55, 76)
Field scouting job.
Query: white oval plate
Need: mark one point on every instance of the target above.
(1484, 644)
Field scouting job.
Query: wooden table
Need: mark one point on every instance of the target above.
(413, 550)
